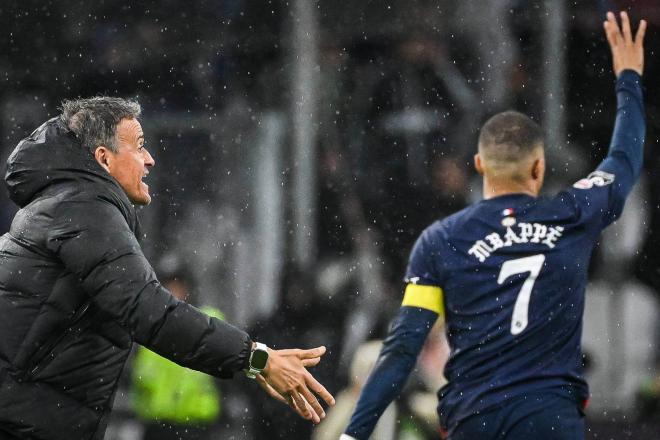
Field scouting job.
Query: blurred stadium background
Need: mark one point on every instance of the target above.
(302, 145)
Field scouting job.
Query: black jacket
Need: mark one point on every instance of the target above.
(76, 292)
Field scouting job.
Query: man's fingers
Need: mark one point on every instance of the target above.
(311, 362)
(611, 19)
(612, 30)
(304, 354)
(289, 352)
(319, 389)
(641, 31)
(625, 26)
(312, 353)
(315, 417)
(292, 404)
(316, 407)
(610, 34)
(300, 405)
(304, 409)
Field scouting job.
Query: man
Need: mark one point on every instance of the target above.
(508, 275)
(76, 290)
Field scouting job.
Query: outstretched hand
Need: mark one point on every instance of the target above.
(627, 53)
(286, 379)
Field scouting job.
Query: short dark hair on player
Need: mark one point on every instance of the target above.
(508, 137)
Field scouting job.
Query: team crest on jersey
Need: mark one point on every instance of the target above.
(597, 178)
(507, 222)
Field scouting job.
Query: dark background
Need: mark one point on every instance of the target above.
(394, 137)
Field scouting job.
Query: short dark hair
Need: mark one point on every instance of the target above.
(509, 136)
(94, 120)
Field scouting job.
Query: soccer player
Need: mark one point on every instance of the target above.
(508, 275)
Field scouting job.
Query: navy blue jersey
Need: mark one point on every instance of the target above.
(511, 273)
(513, 270)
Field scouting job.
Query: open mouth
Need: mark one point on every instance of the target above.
(142, 180)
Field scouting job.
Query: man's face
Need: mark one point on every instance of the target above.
(132, 162)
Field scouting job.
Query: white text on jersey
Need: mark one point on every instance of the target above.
(528, 233)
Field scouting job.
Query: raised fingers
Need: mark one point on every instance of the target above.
(641, 31)
(611, 19)
(625, 25)
(612, 30)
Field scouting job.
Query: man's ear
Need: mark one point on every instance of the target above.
(103, 156)
(537, 169)
(478, 165)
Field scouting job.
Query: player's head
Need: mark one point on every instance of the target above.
(511, 150)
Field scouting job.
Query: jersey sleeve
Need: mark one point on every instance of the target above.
(396, 360)
(422, 303)
(422, 275)
(423, 262)
(599, 198)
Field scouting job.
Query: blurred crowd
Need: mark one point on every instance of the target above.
(403, 90)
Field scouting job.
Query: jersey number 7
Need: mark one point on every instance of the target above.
(532, 265)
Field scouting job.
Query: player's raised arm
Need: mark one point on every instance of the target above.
(626, 152)
(627, 52)
(617, 174)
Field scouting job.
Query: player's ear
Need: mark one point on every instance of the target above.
(478, 165)
(538, 168)
(103, 157)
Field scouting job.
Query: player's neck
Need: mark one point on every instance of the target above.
(495, 188)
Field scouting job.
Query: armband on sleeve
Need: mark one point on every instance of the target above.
(425, 297)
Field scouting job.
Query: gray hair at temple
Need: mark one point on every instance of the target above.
(94, 120)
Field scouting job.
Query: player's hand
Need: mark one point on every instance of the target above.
(627, 53)
(286, 379)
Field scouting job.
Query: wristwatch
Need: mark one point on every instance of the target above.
(258, 360)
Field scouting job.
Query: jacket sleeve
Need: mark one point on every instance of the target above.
(93, 241)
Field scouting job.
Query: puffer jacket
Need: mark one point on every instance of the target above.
(76, 291)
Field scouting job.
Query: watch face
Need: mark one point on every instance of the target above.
(259, 359)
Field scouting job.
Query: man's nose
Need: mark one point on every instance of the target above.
(148, 159)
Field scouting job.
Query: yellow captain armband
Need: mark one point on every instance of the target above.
(425, 297)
